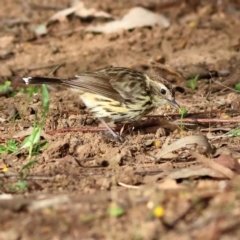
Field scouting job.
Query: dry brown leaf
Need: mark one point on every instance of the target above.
(213, 165)
(227, 161)
(196, 171)
(82, 12)
(61, 16)
(199, 142)
(79, 9)
(136, 17)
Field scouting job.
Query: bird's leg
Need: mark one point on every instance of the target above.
(122, 129)
(126, 128)
(115, 135)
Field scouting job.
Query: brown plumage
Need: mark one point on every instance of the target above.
(115, 93)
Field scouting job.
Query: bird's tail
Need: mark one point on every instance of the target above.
(42, 80)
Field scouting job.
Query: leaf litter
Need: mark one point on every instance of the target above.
(83, 182)
(78, 9)
(136, 17)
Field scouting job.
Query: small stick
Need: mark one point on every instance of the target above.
(208, 120)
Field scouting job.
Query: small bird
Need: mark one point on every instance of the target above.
(116, 93)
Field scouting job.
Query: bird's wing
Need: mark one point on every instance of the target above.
(94, 83)
(113, 82)
(129, 83)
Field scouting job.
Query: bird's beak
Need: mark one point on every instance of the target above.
(174, 103)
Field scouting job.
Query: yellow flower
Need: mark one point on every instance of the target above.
(158, 211)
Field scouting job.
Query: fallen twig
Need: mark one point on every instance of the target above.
(207, 120)
(128, 186)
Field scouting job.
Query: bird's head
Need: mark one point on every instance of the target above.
(163, 92)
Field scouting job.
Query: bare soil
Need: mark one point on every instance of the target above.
(84, 185)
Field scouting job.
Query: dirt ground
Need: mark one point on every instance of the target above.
(80, 184)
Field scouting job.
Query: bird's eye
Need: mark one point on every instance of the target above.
(163, 91)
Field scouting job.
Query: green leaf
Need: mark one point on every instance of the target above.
(26, 168)
(22, 185)
(12, 146)
(192, 83)
(21, 90)
(31, 90)
(3, 149)
(32, 139)
(234, 133)
(237, 86)
(45, 98)
(115, 211)
(6, 85)
(183, 111)
(29, 165)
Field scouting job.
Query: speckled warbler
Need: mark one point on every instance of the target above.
(115, 93)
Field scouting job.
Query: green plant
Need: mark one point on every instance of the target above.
(192, 83)
(234, 132)
(32, 140)
(26, 169)
(22, 185)
(6, 85)
(19, 186)
(183, 111)
(237, 87)
(11, 147)
(114, 210)
(32, 90)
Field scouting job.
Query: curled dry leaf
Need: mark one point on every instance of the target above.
(194, 172)
(184, 173)
(199, 142)
(136, 17)
(79, 9)
(61, 16)
(83, 12)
